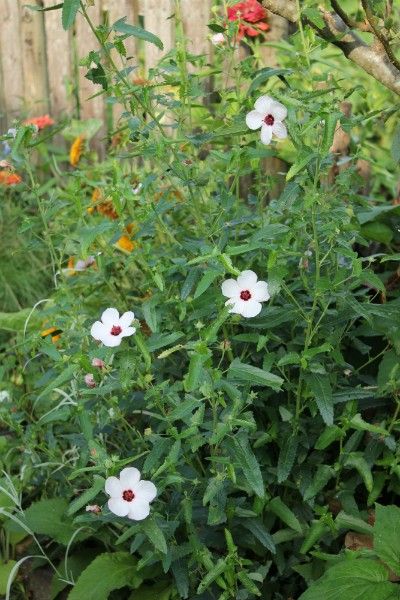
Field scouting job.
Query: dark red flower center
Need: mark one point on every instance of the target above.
(128, 495)
(269, 120)
(245, 295)
(116, 330)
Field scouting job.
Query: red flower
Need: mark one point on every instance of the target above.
(40, 122)
(8, 178)
(249, 11)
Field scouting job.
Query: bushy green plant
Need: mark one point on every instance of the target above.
(268, 438)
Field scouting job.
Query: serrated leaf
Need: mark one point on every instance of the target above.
(48, 517)
(258, 529)
(286, 458)
(356, 578)
(155, 535)
(69, 12)
(322, 476)
(108, 572)
(299, 165)
(287, 516)
(358, 462)
(121, 26)
(247, 373)
(387, 535)
(244, 456)
(320, 386)
(205, 282)
(86, 496)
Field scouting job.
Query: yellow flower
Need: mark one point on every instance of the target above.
(55, 333)
(76, 150)
(125, 244)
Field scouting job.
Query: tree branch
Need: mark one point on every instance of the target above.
(371, 59)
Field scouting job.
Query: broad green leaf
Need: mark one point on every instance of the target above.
(328, 436)
(345, 521)
(108, 572)
(138, 32)
(387, 536)
(377, 232)
(155, 535)
(320, 386)
(354, 579)
(287, 516)
(286, 458)
(244, 456)
(247, 373)
(69, 11)
(48, 518)
(86, 496)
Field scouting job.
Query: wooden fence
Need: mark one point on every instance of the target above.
(39, 61)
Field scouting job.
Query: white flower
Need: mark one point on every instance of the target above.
(130, 496)
(112, 328)
(268, 115)
(218, 39)
(246, 294)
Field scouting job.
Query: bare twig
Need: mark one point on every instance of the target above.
(369, 58)
(379, 34)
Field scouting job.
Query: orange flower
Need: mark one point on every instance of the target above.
(125, 244)
(55, 333)
(76, 150)
(105, 208)
(8, 178)
(40, 122)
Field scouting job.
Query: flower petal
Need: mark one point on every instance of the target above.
(126, 319)
(254, 119)
(97, 330)
(266, 134)
(230, 288)
(251, 308)
(247, 279)
(111, 341)
(128, 331)
(278, 110)
(279, 129)
(113, 486)
(146, 491)
(118, 506)
(129, 477)
(110, 316)
(139, 510)
(263, 104)
(260, 291)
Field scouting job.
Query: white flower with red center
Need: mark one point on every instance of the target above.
(112, 328)
(268, 114)
(130, 496)
(245, 294)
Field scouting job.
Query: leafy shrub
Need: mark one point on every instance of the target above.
(268, 438)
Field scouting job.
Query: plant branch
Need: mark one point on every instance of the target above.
(370, 58)
(378, 33)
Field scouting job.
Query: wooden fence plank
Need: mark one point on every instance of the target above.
(195, 17)
(11, 59)
(156, 15)
(34, 60)
(58, 51)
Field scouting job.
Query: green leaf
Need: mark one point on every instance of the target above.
(291, 358)
(387, 536)
(69, 11)
(330, 119)
(357, 422)
(247, 373)
(84, 498)
(138, 32)
(358, 462)
(108, 572)
(354, 579)
(320, 386)
(5, 570)
(286, 458)
(395, 149)
(150, 314)
(244, 456)
(345, 521)
(300, 164)
(323, 475)
(328, 436)
(205, 282)
(257, 528)
(48, 518)
(279, 508)
(155, 535)
(264, 74)
(196, 363)
(377, 232)
(212, 575)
